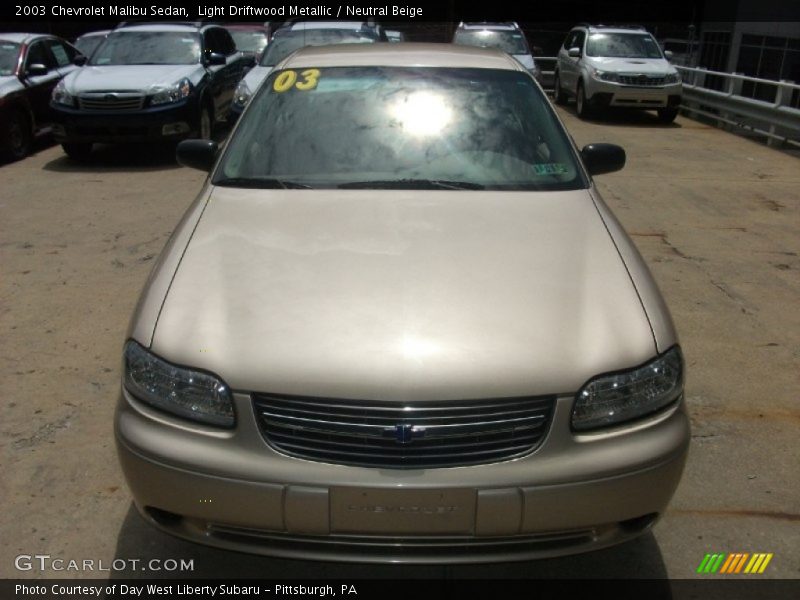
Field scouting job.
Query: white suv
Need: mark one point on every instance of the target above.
(605, 66)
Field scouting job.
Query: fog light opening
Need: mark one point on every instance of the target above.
(163, 517)
(638, 523)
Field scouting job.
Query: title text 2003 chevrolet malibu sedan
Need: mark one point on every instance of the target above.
(400, 324)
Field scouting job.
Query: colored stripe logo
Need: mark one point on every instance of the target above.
(735, 563)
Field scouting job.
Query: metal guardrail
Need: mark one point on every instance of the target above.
(777, 120)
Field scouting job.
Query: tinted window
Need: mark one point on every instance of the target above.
(623, 45)
(148, 48)
(286, 42)
(392, 127)
(9, 53)
(512, 42)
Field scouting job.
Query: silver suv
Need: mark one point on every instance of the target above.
(605, 66)
(507, 37)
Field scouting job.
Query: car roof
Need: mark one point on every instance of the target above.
(22, 38)
(103, 32)
(499, 26)
(408, 54)
(186, 28)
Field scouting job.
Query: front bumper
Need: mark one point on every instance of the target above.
(230, 489)
(171, 122)
(608, 94)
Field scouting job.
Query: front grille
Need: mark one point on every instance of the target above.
(641, 80)
(111, 101)
(403, 436)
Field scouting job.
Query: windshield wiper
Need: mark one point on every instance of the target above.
(411, 184)
(261, 183)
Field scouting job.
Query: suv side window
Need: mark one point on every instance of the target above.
(569, 39)
(210, 42)
(580, 37)
(63, 53)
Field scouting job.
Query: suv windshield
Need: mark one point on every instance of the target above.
(400, 128)
(284, 43)
(623, 45)
(249, 41)
(8, 57)
(511, 42)
(148, 48)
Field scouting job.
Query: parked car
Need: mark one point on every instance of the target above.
(286, 41)
(398, 324)
(250, 38)
(507, 37)
(368, 27)
(148, 82)
(31, 64)
(88, 42)
(603, 67)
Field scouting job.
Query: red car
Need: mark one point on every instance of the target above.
(31, 65)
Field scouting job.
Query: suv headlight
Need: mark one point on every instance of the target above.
(172, 93)
(672, 77)
(242, 94)
(178, 390)
(620, 397)
(606, 75)
(62, 96)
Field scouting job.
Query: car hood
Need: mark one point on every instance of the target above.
(9, 84)
(396, 295)
(255, 76)
(652, 66)
(129, 78)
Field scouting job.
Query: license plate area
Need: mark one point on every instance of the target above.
(402, 511)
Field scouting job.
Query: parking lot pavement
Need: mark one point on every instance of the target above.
(716, 216)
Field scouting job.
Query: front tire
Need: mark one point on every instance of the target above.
(19, 136)
(667, 115)
(77, 150)
(559, 97)
(581, 103)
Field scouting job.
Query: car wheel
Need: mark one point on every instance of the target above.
(78, 150)
(205, 124)
(19, 136)
(667, 115)
(581, 103)
(558, 94)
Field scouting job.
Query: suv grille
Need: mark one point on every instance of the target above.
(405, 436)
(111, 101)
(641, 80)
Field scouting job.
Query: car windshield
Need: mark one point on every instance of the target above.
(284, 43)
(9, 51)
(623, 45)
(400, 128)
(148, 48)
(88, 44)
(512, 42)
(249, 41)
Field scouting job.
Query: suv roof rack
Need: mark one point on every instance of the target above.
(618, 26)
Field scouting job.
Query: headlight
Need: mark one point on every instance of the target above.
(183, 392)
(672, 77)
(606, 75)
(61, 96)
(612, 399)
(242, 94)
(173, 93)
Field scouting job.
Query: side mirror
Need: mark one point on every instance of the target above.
(603, 158)
(197, 154)
(215, 59)
(80, 60)
(574, 52)
(36, 70)
(668, 54)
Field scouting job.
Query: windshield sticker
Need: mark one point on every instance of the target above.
(550, 169)
(288, 79)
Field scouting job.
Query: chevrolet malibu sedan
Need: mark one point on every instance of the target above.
(399, 323)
